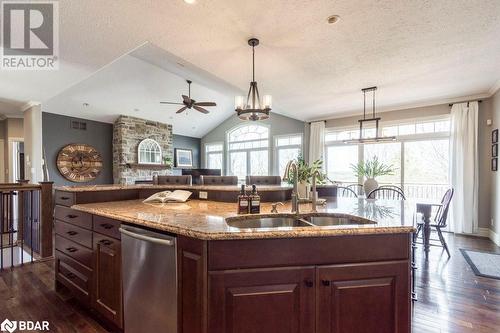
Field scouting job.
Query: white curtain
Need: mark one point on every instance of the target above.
(317, 141)
(464, 167)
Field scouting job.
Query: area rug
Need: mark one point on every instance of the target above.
(485, 264)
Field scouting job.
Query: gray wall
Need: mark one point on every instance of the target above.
(495, 176)
(187, 142)
(484, 140)
(279, 125)
(57, 132)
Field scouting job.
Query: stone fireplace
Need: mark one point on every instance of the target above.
(128, 132)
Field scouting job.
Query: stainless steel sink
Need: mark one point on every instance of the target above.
(267, 222)
(324, 221)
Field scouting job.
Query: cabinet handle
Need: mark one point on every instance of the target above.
(105, 242)
(326, 283)
(64, 198)
(71, 249)
(106, 226)
(72, 233)
(71, 216)
(309, 283)
(70, 276)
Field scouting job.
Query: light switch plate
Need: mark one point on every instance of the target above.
(203, 195)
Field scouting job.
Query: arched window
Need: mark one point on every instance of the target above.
(149, 152)
(248, 151)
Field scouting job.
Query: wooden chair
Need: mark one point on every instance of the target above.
(357, 188)
(346, 192)
(394, 187)
(440, 220)
(386, 193)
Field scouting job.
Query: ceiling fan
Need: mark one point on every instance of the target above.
(189, 103)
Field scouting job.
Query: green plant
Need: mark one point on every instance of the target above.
(306, 171)
(372, 168)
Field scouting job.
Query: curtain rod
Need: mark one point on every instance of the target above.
(317, 121)
(478, 100)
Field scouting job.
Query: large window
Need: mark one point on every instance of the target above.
(213, 155)
(248, 151)
(420, 156)
(288, 147)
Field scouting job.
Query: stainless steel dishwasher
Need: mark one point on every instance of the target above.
(149, 268)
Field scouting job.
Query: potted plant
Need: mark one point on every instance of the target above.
(370, 170)
(306, 172)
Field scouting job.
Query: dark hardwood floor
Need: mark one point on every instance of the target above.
(451, 297)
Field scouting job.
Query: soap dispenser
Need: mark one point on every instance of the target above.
(254, 201)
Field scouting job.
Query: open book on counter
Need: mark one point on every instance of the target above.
(169, 196)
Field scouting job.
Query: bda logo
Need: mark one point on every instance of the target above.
(8, 326)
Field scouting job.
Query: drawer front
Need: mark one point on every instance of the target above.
(74, 276)
(75, 217)
(80, 253)
(107, 226)
(107, 241)
(64, 198)
(74, 233)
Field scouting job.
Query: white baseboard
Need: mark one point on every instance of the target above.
(495, 237)
(483, 232)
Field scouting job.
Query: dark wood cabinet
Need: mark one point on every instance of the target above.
(107, 298)
(262, 300)
(363, 298)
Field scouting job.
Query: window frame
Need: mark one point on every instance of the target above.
(208, 153)
(156, 152)
(247, 150)
(278, 148)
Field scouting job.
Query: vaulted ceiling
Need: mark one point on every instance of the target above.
(417, 52)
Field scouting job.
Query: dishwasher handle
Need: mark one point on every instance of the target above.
(166, 242)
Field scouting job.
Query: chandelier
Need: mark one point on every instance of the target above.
(252, 108)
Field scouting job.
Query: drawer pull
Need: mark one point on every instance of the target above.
(71, 249)
(309, 283)
(65, 198)
(107, 226)
(72, 216)
(326, 283)
(105, 242)
(70, 276)
(72, 233)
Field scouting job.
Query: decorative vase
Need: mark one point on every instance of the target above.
(303, 189)
(370, 185)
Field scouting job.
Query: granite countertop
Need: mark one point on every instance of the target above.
(207, 219)
(116, 187)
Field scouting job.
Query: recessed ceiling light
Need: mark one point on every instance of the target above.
(137, 110)
(191, 2)
(333, 19)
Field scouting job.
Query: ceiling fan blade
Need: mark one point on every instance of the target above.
(202, 110)
(205, 103)
(181, 109)
(172, 103)
(186, 99)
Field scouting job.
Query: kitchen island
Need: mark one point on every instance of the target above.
(351, 274)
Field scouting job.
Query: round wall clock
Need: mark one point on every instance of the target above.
(79, 162)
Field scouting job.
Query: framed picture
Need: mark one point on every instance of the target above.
(183, 158)
(494, 150)
(494, 136)
(494, 164)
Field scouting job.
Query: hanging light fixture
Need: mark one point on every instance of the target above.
(253, 108)
(374, 119)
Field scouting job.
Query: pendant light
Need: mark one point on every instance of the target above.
(374, 119)
(253, 109)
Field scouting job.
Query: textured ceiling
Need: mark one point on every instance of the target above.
(417, 52)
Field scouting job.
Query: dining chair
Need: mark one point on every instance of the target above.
(357, 188)
(386, 193)
(394, 187)
(346, 192)
(440, 220)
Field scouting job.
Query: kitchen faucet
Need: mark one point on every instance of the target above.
(292, 165)
(314, 199)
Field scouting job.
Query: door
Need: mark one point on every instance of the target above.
(364, 298)
(107, 278)
(277, 300)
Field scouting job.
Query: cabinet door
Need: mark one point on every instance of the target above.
(364, 298)
(108, 282)
(277, 300)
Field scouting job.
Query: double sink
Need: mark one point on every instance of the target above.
(324, 220)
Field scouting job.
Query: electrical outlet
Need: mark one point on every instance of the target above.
(203, 195)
